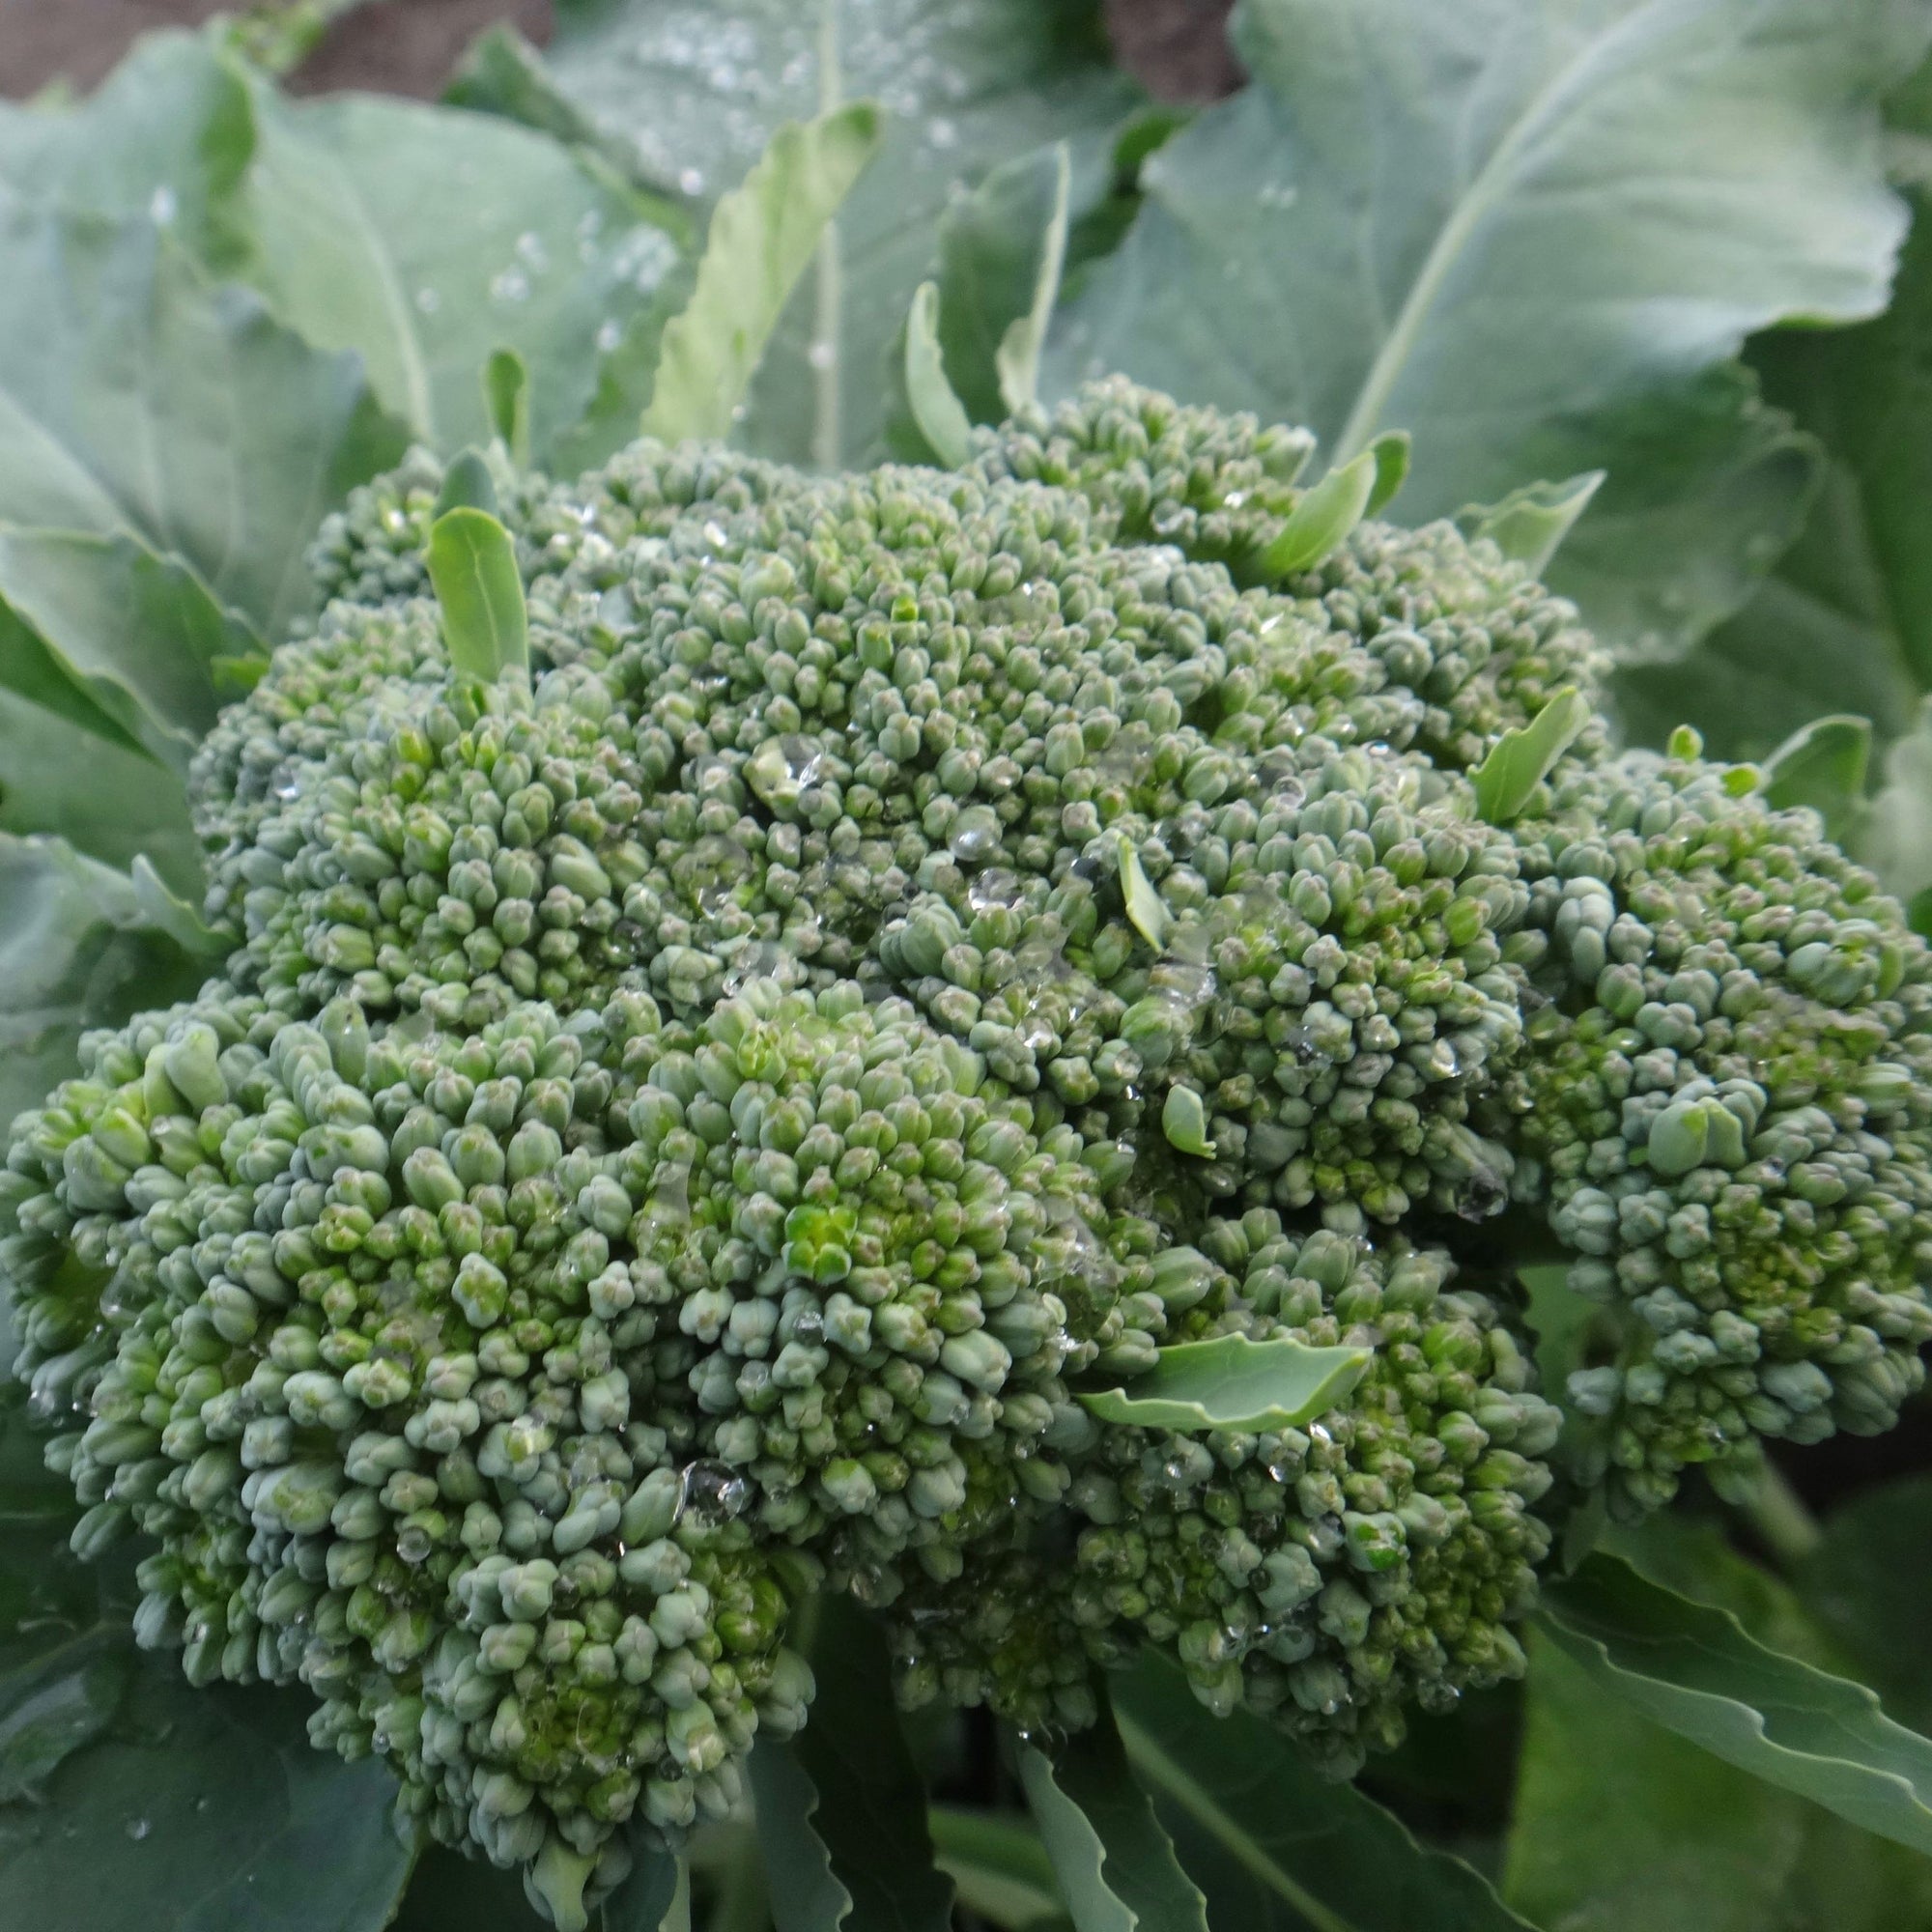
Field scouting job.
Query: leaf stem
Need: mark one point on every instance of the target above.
(829, 292)
(1782, 1518)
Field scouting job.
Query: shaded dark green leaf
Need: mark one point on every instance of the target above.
(1823, 765)
(998, 1865)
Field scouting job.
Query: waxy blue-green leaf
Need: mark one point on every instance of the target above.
(939, 413)
(1692, 1669)
(1276, 1847)
(1530, 525)
(135, 400)
(472, 565)
(1116, 1866)
(762, 237)
(168, 912)
(690, 94)
(427, 237)
(75, 952)
(1323, 518)
(1520, 760)
(842, 1813)
(1822, 764)
(168, 134)
(1452, 221)
(1233, 1382)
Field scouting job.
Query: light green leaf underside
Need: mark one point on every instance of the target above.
(1520, 760)
(1233, 1382)
(763, 235)
(1694, 1670)
(1115, 1864)
(1488, 257)
(941, 416)
(1530, 525)
(472, 565)
(1272, 1842)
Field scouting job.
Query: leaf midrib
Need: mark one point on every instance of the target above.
(1545, 108)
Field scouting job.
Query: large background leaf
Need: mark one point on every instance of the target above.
(1452, 221)
(692, 92)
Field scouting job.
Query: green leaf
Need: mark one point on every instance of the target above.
(169, 913)
(1323, 516)
(998, 1865)
(693, 100)
(169, 135)
(1896, 837)
(1394, 450)
(449, 1892)
(472, 565)
(134, 400)
(1274, 1844)
(1865, 1583)
(645, 1901)
(506, 399)
(468, 484)
(941, 417)
(1641, 1828)
(1146, 910)
(842, 1814)
(1233, 1382)
(137, 633)
(1823, 765)
(1530, 525)
(1116, 1866)
(427, 237)
(204, 1811)
(1453, 220)
(762, 237)
(1694, 1670)
(1519, 760)
(74, 952)
(1016, 360)
(1183, 1122)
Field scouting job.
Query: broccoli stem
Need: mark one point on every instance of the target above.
(1782, 1516)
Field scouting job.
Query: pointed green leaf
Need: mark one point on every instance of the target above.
(506, 398)
(842, 1813)
(1116, 1866)
(941, 417)
(1017, 358)
(135, 400)
(763, 234)
(1272, 1842)
(1692, 1669)
(1393, 450)
(472, 565)
(969, 88)
(1529, 524)
(468, 484)
(1822, 764)
(1520, 760)
(168, 912)
(1348, 243)
(998, 1865)
(1145, 908)
(1323, 518)
(427, 237)
(1233, 1382)
(75, 953)
(1183, 1121)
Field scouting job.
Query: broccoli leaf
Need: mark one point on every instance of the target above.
(936, 411)
(136, 400)
(1114, 1862)
(1693, 1670)
(842, 1814)
(691, 95)
(1348, 244)
(1232, 1382)
(1323, 516)
(763, 235)
(1530, 522)
(450, 1894)
(1520, 760)
(472, 564)
(999, 1866)
(427, 237)
(1016, 360)
(1274, 1844)
(1823, 765)
(506, 401)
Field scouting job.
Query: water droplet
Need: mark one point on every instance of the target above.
(429, 299)
(941, 132)
(512, 285)
(691, 180)
(531, 252)
(712, 1492)
(609, 335)
(138, 1828)
(822, 355)
(162, 207)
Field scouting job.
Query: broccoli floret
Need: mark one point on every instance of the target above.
(685, 1130)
